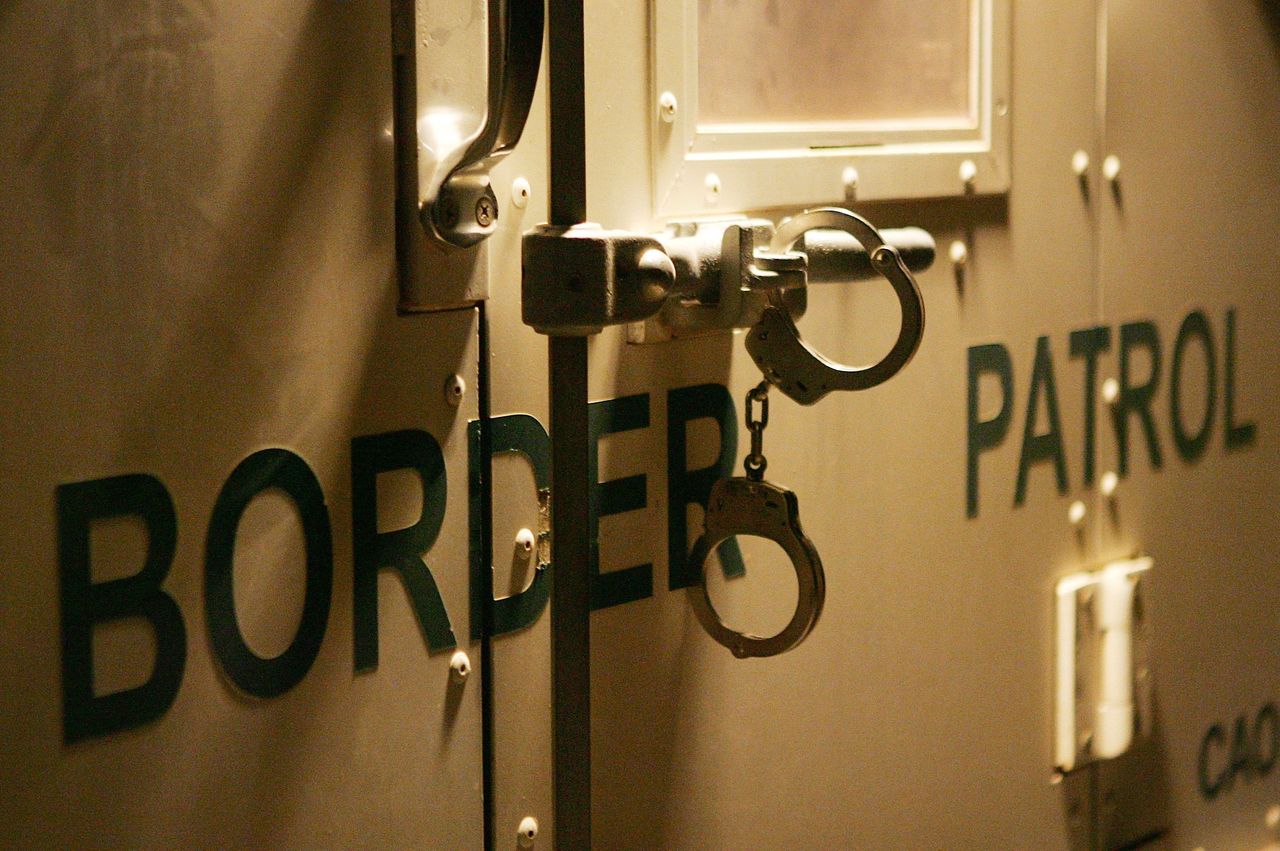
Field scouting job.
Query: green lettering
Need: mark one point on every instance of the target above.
(986, 434)
(1215, 738)
(523, 434)
(615, 497)
(1267, 718)
(265, 469)
(84, 603)
(685, 487)
(1191, 446)
(1089, 343)
(1137, 398)
(400, 549)
(1238, 435)
(1041, 447)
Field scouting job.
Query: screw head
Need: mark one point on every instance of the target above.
(959, 254)
(1111, 168)
(486, 211)
(968, 173)
(1108, 484)
(1110, 391)
(1076, 513)
(1080, 163)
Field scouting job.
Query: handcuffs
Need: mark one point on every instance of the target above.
(749, 505)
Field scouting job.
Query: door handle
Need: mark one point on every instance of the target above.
(455, 204)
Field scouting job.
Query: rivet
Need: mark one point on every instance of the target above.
(520, 192)
(1110, 391)
(1272, 818)
(524, 540)
(712, 184)
(1108, 483)
(668, 106)
(1111, 168)
(959, 254)
(454, 389)
(1076, 513)
(849, 177)
(459, 667)
(527, 831)
(968, 173)
(1080, 163)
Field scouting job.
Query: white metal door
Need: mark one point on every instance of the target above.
(203, 372)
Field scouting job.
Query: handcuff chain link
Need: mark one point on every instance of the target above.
(755, 462)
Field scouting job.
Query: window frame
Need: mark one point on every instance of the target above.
(730, 168)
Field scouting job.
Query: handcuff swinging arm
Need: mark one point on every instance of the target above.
(795, 367)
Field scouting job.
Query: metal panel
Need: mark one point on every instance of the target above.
(196, 240)
(1190, 225)
(918, 712)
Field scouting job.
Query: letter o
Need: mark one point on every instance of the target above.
(265, 469)
(1192, 446)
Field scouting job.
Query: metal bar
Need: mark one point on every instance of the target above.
(570, 488)
(487, 753)
(570, 594)
(566, 87)
(405, 133)
(838, 257)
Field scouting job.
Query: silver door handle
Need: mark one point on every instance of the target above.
(458, 207)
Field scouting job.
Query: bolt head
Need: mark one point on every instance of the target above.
(1080, 163)
(1111, 168)
(1108, 484)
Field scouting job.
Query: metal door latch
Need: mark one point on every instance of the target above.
(715, 277)
(708, 276)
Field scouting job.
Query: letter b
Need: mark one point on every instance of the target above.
(85, 603)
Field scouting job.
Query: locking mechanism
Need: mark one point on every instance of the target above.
(706, 276)
(1103, 692)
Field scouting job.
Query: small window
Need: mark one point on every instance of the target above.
(769, 103)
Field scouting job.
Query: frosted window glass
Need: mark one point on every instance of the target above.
(765, 61)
